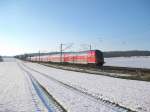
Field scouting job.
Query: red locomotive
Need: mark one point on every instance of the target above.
(84, 57)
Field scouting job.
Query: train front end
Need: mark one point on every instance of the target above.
(95, 57)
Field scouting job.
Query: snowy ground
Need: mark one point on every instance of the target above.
(70, 99)
(16, 91)
(135, 62)
(9, 59)
(128, 93)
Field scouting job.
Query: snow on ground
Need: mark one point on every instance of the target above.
(71, 100)
(9, 59)
(16, 94)
(129, 93)
(135, 62)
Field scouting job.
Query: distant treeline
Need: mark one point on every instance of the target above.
(125, 53)
(1, 59)
(106, 54)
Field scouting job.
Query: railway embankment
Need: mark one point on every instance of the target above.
(112, 71)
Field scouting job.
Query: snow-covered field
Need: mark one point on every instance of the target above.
(70, 99)
(135, 62)
(128, 93)
(16, 92)
(9, 59)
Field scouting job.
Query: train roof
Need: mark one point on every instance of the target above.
(77, 52)
(58, 53)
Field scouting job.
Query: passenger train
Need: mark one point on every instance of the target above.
(94, 57)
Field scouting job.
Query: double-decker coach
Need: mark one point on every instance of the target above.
(84, 57)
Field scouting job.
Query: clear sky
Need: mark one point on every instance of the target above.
(32, 25)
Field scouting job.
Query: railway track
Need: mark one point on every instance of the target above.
(36, 105)
(118, 72)
(47, 99)
(126, 69)
(108, 104)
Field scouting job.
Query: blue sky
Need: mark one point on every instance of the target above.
(32, 25)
